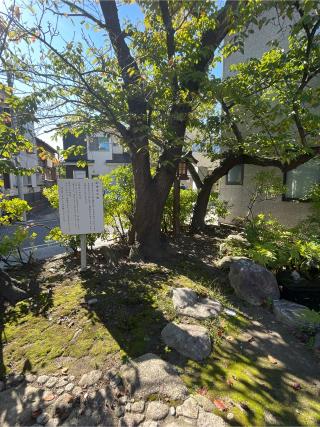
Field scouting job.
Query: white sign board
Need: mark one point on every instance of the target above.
(80, 206)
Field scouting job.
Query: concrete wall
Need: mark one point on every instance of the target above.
(288, 213)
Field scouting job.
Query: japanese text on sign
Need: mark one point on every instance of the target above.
(80, 206)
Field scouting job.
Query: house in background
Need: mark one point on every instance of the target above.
(102, 154)
(236, 186)
(47, 160)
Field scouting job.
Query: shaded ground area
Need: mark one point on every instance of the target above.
(261, 372)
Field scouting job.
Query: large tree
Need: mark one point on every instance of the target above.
(148, 81)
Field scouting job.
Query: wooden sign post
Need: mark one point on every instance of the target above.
(81, 210)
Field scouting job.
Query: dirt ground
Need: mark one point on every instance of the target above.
(263, 372)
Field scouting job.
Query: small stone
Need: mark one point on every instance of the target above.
(92, 301)
(30, 378)
(77, 391)
(48, 396)
(208, 419)
(62, 382)
(90, 379)
(132, 400)
(123, 400)
(189, 408)
(51, 382)
(138, 406)
(150, 423)
(172, 411)
(2, 386)
(131, 420)
(128, 407)
(43, 419)
(230, 416)
(72, 378)
(42, 379)
(157, 411)
(63, 406)
(69, 387)
(204, 402)
(59, 391)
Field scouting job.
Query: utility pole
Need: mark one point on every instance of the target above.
(19, 178)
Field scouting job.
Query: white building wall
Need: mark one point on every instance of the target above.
(287, 212)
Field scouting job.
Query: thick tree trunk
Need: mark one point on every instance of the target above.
(201, 206)
(10, 290)
(147, 224)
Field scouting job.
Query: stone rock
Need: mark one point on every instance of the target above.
(294, 315)
(59, 391)
(225, 262)
(69, 387)
(77, 391)
(208, 419)
(252, 282)
(157, 411)
(131, 420)
(192, 341)
(63, 406)
(42, 379)
(51, 382)
(62, 382)
(149, 374)
(204, 403)
(128, 407)
(92, 301)
(138, 406)
(150, 423)
(187, 303)
(30, 378)
(90, 378)
(172, 411)
(189, 408)
(181, 422)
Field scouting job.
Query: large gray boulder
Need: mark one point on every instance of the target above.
(295, 316)
(187, 303)
(191, 341)
(150, 375)
(252, 282)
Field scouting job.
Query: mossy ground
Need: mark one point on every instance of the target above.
(58, 328)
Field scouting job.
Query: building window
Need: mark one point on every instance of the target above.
(27, 180)
(299, 181)
(100, 143)
(235, 175)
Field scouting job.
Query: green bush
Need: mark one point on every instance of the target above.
(119, 200)
(276, 247)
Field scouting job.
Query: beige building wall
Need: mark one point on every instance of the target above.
(289, 213)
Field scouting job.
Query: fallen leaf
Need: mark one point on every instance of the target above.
(272, 360)
(219, 404)
(203, 391)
